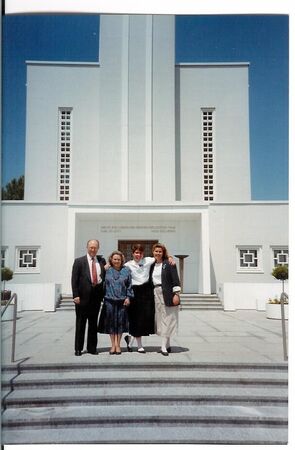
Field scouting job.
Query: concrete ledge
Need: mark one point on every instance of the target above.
(36, 296)
(248, 295)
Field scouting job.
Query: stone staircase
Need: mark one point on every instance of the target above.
(65, 303)
(204, 403)
(200, 301)
(188, 301)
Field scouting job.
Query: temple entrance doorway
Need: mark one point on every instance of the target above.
(125, 246)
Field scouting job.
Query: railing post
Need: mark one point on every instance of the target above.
(14, 329)
(13, 297)
(282, 300)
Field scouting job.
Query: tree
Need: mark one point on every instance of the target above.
(14, 190)
(6, 275)
(281, 272)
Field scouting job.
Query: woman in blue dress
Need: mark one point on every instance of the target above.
(118, 291)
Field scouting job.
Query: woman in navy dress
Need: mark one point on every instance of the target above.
(118, 291)
(142, 306)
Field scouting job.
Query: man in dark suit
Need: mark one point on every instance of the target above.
(87, 285)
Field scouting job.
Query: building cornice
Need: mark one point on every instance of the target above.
(97, 64)
(32, 203)
(178, 204)
(63, 63)
(212, 64)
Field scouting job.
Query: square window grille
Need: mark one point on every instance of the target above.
(280, 257)
(27, 259)
(249, 259)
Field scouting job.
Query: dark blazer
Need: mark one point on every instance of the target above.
(81, 279)
(169, 278)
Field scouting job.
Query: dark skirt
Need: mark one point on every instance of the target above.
(113, 318)
(142, 311)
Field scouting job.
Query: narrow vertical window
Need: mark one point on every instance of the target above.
(3, 256)
(65, 145)
(208, 153)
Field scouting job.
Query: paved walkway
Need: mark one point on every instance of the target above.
(244, 336)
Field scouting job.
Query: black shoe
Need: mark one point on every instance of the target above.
(169, 349)
(164, 353)
(127, 340)
(78, 353)
(95, 352)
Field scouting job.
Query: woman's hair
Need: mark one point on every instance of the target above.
(117, 252)
(137, 247)
(162, 246)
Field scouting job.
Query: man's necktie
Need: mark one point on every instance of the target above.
(94, 273)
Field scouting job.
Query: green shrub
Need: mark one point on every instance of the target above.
(281, 272)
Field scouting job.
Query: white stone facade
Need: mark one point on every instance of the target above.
(140, 155)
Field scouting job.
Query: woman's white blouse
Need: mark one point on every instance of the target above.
(140, 271)
(157, 279)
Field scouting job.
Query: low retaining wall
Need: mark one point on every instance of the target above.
(37, 296)
(248, 295)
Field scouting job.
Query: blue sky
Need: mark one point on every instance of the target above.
(261, 40)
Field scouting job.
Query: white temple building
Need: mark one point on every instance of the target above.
(138, 148)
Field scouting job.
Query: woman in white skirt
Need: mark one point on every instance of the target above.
(141, 311)
(166, 283)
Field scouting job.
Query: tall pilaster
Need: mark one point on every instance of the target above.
(137, 107)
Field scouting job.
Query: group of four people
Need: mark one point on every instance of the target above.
(140, 297)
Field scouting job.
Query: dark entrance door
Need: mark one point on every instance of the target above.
(126, 246)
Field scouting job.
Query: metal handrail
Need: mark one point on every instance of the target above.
(283, 294)
(13, 297)
(282, 301)
(7, 304)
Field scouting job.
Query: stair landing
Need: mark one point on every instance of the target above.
(188, 301)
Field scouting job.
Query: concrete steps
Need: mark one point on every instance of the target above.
(145, 403)
(200, 301)
(65, 303)
(154, 434)
(188, 301)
